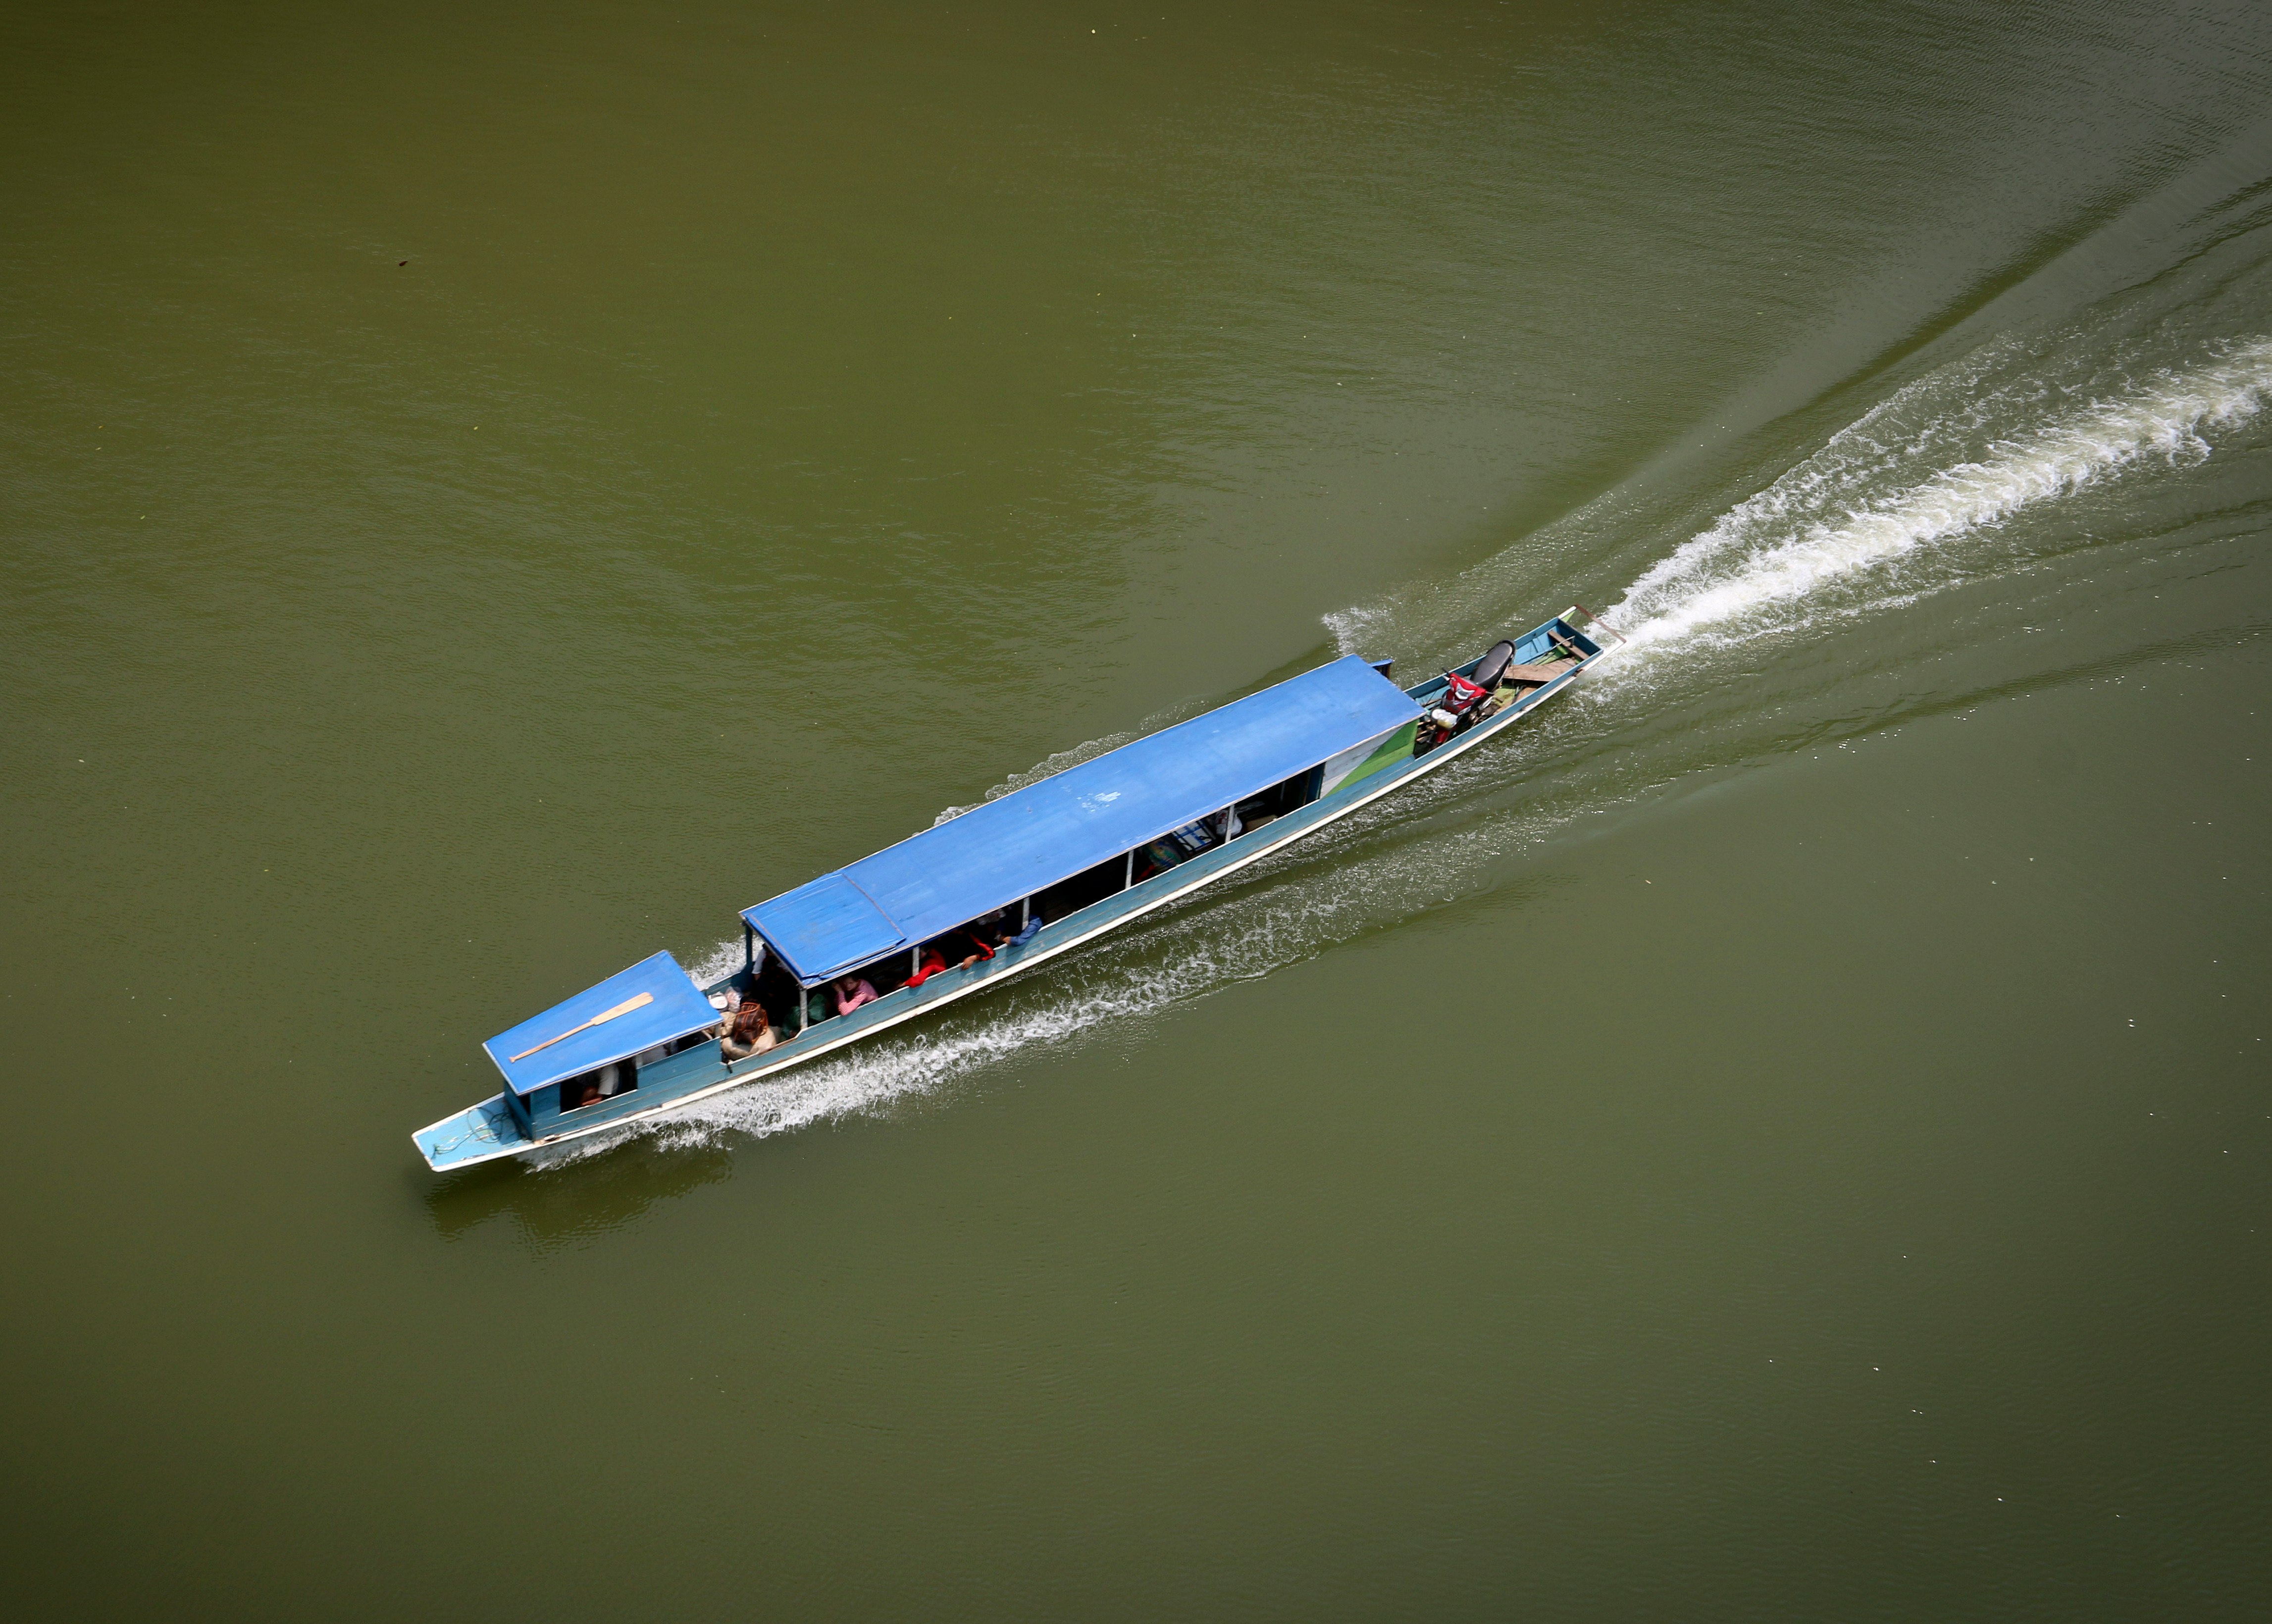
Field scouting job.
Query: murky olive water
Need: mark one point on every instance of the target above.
(492, 491)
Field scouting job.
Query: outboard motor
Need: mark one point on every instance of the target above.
(1493, 666)
(1464, 699)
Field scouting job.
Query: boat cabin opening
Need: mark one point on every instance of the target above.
(1108, 878)
(591, 1087)
(622, 1076)
(1289, 795)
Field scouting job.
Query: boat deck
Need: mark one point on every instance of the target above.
(478, 1134)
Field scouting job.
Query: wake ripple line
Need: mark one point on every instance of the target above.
(1692, 587)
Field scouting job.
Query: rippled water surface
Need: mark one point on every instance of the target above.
(492, 491)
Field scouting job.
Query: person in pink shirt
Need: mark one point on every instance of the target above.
(852, 991)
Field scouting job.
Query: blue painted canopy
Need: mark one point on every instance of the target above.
(833, 922)
(674, 1006)
(995, 853)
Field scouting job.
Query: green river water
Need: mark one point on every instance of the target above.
(491, 491)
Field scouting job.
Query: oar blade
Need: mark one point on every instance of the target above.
(624, 1008)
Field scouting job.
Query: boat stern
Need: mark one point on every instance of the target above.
(478, 1134)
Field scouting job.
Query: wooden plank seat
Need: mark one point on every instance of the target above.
(1535, 673)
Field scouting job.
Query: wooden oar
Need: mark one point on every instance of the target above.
(624, 1008)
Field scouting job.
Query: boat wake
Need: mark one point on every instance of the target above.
(1909, 500)
(1821, 539)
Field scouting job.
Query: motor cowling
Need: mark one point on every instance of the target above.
(1460, 695)
(1455, 709)
(1493, 664)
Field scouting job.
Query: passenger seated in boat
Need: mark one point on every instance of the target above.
(851, 991)
(1031, 928)
(594, 1086)
(747, 1031)
(1157, 858)
(992, 933)
(964, 942)
(928, 964)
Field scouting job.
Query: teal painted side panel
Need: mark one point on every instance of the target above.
(667, 1079)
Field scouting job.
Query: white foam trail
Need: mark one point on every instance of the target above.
(1770, 551)
(717, 963)
(1874, 518)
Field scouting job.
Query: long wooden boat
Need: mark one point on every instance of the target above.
(1000, 888)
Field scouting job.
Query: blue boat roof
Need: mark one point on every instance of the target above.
(674, 1006)
(995, 853)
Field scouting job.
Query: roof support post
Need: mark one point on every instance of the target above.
(1128, 873)
(749, 947)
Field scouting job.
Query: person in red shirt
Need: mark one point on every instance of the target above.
(966, 941)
